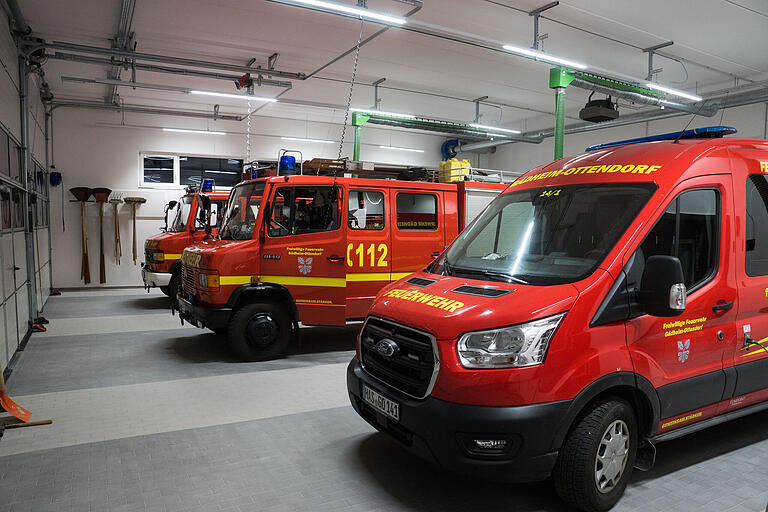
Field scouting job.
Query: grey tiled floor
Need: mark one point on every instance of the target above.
(325, 459)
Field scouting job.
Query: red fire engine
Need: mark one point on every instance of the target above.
(604, 303)
(162, 252)
(316, 250)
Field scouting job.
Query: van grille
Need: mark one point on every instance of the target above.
(188, 279)
(412, 369)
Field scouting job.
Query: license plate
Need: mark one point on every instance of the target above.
(381, 403)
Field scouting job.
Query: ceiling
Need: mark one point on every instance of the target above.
(718, 43)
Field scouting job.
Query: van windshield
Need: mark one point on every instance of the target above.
(242, 210)
(181, 214)
(545, 236)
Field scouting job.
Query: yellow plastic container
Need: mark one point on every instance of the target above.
(454, 170)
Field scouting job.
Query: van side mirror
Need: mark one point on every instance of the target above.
(662, 288)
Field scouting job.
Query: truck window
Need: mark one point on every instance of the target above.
(217, 208)
(688, 229)
(366, 210)
(756, 250)
(180, 214)
(302, 210)
(242, 210)
(416, 212)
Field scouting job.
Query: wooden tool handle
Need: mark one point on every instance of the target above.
(2, 381)
(102, 266)
(29, 424)
(86, 269)
(134, 233)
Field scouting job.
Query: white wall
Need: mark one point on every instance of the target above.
(101, 149)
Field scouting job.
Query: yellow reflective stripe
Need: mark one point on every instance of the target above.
(172, 256)
(330, 282)
(399, 275)
(234, 280)
(371, 276)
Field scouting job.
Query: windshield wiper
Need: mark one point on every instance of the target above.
(499, 276)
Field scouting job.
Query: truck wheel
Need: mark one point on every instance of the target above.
(164, 289)
(221, 331)
(259, 332)
(173, 287)
(596, 460)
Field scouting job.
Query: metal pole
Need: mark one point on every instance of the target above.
(559, 121)
(26, 164)
(48, 121)
(356, 147)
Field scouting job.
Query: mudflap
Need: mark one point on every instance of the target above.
(646, 456)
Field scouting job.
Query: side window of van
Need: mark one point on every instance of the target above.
(366, 210)
(417, 212)
(756, 256)
(301, 210)
(688, 229)
(217, 209)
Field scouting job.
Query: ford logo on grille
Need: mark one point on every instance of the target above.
(387, 347)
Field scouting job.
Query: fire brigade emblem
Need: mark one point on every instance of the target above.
(684, 350)
(305, 265)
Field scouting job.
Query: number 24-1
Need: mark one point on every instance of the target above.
(361, 252)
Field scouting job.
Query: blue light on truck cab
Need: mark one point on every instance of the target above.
(707, 132)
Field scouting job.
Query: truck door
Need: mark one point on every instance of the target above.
(368, 258)
(418, 232)
(683, 356)
(304, 249)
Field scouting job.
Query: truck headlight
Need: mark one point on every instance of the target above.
(509, 347)
(209, 279)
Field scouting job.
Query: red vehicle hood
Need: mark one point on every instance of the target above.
(446, 314)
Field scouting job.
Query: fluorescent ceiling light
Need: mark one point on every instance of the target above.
(301, 139)
(544, 56)
(238, 96)
(673, 92)
(493, 128)
(181, 130)
(347, 9)
(380, 113)
(395, 148)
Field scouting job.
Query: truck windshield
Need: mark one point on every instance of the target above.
(242, 210)
(180, 215)
(545, 236)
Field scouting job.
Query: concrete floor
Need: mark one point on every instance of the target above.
(152, 416)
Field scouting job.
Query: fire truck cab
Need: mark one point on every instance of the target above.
(604, 303)
(162, 252)
(316, 250)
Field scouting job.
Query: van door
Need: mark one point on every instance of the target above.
(304, 247)
(418, 232)
(683, 356)
(368, 258)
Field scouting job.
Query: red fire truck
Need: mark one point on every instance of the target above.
(604, 303)
(162, 252)
(316, 250)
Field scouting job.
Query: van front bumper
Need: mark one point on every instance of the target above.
(153, 279)
(444, 433)
(203, 316)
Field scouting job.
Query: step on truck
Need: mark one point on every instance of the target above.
(185, 224)
(316, 250)
(603, 304)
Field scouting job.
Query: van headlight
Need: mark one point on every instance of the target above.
(509, 347)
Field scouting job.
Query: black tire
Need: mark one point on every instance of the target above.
(221, 331)
(576, 470)
(165, 290)
(174, 286)
(260, 331)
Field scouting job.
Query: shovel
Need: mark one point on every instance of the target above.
(9, 405)
(82, 194)
(102, 196)
(133, 201)
(115, 198)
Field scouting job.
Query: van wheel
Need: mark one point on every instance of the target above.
(259, 332)
(596, 460)
(173, 287)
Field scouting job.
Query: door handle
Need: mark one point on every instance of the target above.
(722, 307)
(435, 254)
(16, 268)
(335, 258)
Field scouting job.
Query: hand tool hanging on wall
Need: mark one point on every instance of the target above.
(133, 201)
(102, 196)
(115, 198)
(9, 405)
(56, 179)
(82, 194)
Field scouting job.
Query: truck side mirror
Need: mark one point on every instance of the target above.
(170, 206)
(204, 215)
(662, 288)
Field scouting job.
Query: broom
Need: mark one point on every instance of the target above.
(82, 194)
(102, 196)
(115, 198)
(9, 405)
(133, 201)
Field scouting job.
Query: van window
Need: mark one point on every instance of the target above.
(301, 210)
(756, 256)
(366, 210)
(417, 212)
(688, 229)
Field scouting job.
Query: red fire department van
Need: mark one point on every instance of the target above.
(604, 303)
(162, 252)
(316, 250)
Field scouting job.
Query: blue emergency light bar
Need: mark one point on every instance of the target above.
(708, 132)
(207, 185)
(191, 188)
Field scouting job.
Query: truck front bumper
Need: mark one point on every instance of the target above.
(444, 432)
(201, 316)
(152, 279)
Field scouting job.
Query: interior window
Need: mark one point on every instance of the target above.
(366, 210)
(158, 169)
(5, 208)
(417, 212)
(756, 255)
(689, 230)
(301, 210)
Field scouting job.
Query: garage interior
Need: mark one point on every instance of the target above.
(147, 98)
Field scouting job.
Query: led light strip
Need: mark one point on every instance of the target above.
(493, 128)
(184, 130)
(301, 139)
(544, 56)
(246, 97)
(380, 113)
(673, 92)
(346, 9)
(395, 148)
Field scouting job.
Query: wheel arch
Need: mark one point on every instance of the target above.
(270, 292)
(175, 268)
(633, 388)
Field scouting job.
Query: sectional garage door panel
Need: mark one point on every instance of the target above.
(6, 258)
